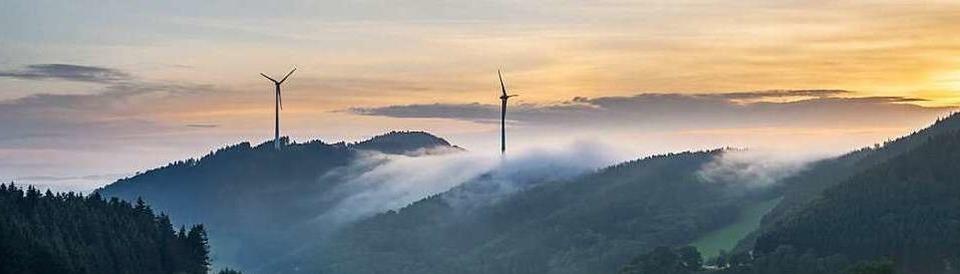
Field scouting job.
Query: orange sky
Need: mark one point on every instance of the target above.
(198, 66)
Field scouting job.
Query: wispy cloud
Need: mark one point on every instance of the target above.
(472, 111)
(753, 168)
(817, 108)
(67, 72)
(202, 125)
(124, 106)
(817, 93)
(375, 182)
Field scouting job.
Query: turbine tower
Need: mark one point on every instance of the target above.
(277, 107)
(503, 114)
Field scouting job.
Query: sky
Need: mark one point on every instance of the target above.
(91, 91)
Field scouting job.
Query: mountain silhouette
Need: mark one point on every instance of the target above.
(256, 199)
(404, 142)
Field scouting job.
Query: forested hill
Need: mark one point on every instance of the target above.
(406, 142)
(590, 224)
(241, 181)
(889, 209)
(68, 233)
(807, 185)
(253, 197)
(906, 209)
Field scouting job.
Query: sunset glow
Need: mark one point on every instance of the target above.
(189, 71)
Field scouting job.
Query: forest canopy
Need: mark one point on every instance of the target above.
(72, 233)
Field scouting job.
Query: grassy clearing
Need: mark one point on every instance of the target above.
(726, 238)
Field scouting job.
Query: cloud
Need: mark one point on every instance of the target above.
(752, 168)
(473, 111)
(114, 111)
(67, 72)
(202, 125)
(378, 182)
(533, 167)
(816, 93)
(776, 108)
(81, 183)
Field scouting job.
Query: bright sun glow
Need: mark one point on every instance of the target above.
(949, 80)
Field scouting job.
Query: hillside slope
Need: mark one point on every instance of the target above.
(890, 207)
(260, 200)
(806, 186)
(907, 208)
(591, 224)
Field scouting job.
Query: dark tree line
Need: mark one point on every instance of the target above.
(663, 260)
(72, 233)
(785, 260)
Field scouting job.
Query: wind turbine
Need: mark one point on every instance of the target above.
(277, 107)
(503, 114)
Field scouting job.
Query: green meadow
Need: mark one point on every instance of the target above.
(726, 238)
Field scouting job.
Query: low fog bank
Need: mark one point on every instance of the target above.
(376, 182)
(379, 182)
(78, 184)
(755, 167)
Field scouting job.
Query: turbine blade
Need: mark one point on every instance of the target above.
(288, 75)
(503, 87)
(280, 98)
(268, 77)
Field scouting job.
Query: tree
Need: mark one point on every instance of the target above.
(664, 260)
(199, 249)
(68, 233)
(873, 267)
(228, 271)
(690, 258)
